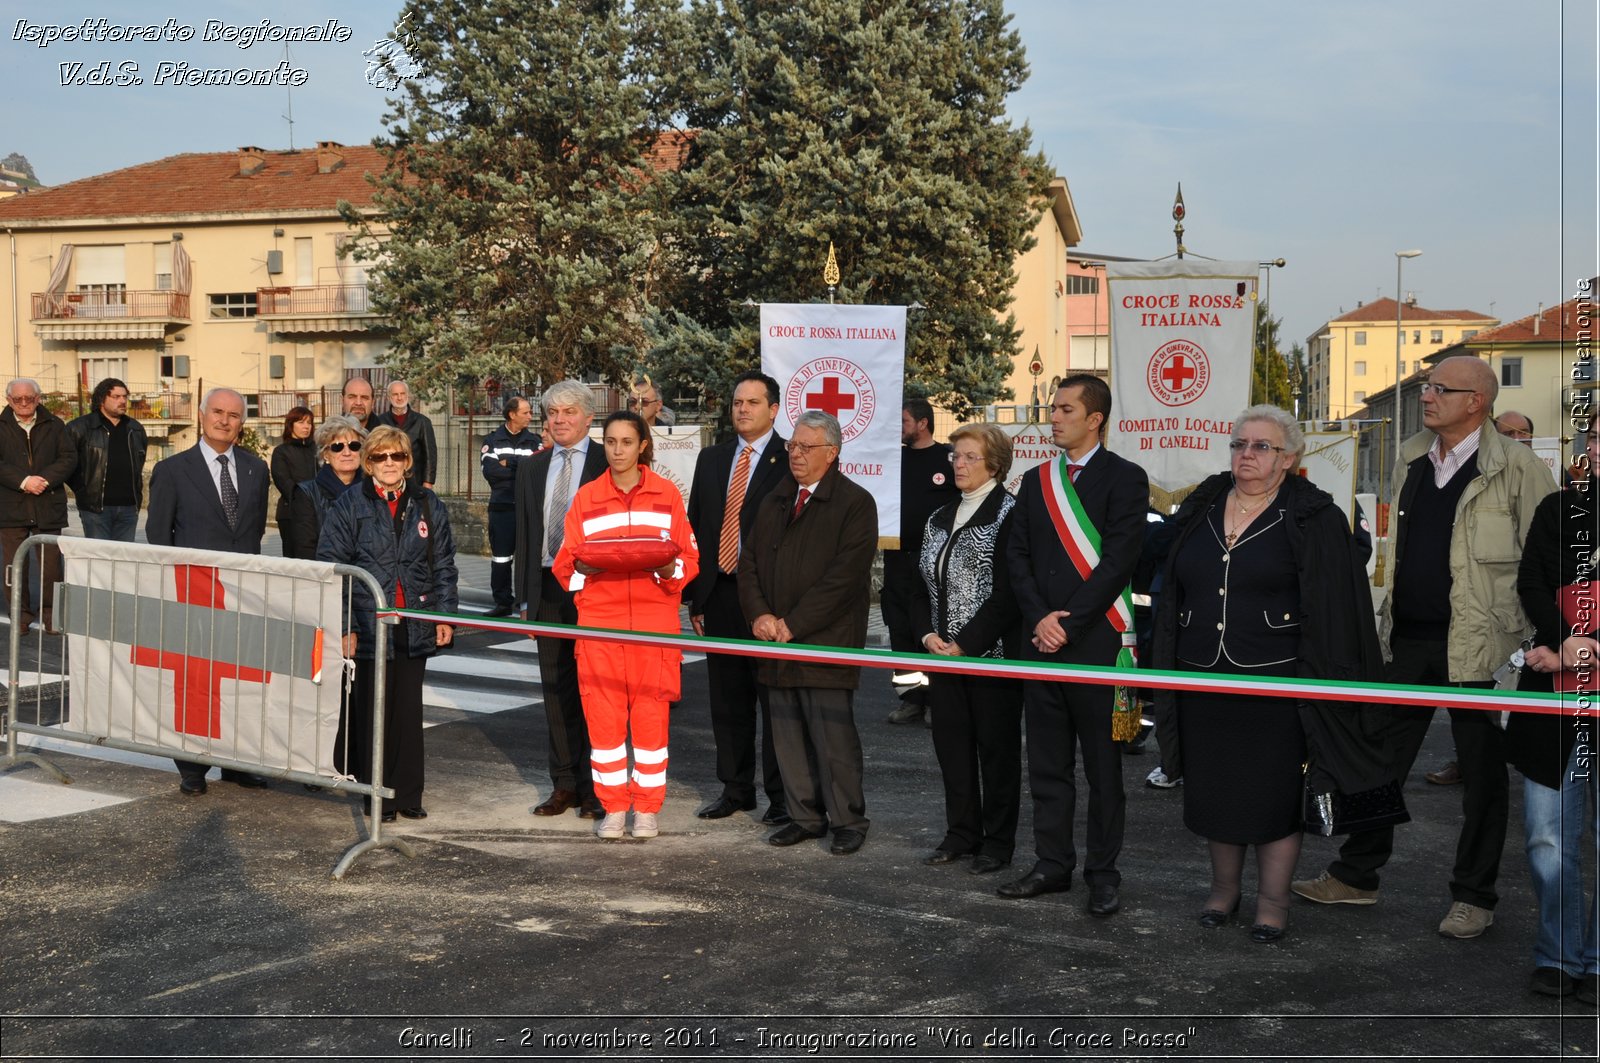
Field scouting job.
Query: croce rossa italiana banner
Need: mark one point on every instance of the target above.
(847, 360)
(1182, 334)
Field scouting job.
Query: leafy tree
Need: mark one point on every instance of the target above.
(17, 162)
(1269, 370)
(517, 234)
(875, 125)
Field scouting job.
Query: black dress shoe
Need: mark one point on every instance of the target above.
(791, 834)
(984, 864)
(387, 817)
(846, 841)
(776, 816)
(725, 806)
(248, 781)
(1265, 934)
(942, 856)
(1035, 884)
(1212, 918)
(192, 789)
(501, 610)
(591, 808)
(414, 813)
(1103, 900)
(558, 802)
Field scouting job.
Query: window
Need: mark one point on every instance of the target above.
(1416, 335)
(1436, 336)
(1360, 369)
(93, 370)
(1511, 372)
(163, 261)
(233, 304)
(1361, 396)
(1402, 337)
(1416, 366)
(1078, 285)
(1468, 333)
(1361, 339)
(304, 274)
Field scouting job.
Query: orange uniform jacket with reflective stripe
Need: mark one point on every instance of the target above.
(638, 601)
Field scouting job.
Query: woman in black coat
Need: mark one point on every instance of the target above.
(963, 607)
(1263, 579)
(402, 537)
(338, 441)
(294, 459)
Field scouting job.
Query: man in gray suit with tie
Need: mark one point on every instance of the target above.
(212, 496)
(546, 483)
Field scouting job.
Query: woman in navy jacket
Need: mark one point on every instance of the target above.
(402, 537)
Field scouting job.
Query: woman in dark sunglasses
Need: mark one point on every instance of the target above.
(338, 442)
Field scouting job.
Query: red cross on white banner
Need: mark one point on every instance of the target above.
(197, 681)
(830, 399)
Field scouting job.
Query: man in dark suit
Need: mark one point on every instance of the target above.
(546, 484)
(730, 480)
(1064, 611)
(212, 496)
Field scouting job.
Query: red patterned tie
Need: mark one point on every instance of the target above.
(728, 544)
(1073, 471)
(799, 503)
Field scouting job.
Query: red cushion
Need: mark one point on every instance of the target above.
(626, 555)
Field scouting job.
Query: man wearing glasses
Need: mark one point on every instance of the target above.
(36, 459)
(804, 576)
(646, 402)
(1451, 617)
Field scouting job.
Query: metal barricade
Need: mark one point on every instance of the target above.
(133, 623)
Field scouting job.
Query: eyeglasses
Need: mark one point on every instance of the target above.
(396, 456)
(1260, 446)
(959, 458)
(339, 448)
(635, 404)
(803, 448)
(22, 400)
(1430, 388)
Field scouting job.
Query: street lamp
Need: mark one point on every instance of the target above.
(1399, 335)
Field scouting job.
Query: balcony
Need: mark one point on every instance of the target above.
(317, 308)
(119, 315)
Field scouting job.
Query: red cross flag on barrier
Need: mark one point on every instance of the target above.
(203, 652)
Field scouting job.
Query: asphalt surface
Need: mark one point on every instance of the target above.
(141, 924)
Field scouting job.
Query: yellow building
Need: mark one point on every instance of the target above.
(191, 272)
(1040, 295)
(1353, 356)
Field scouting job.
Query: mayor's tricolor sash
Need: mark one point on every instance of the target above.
(1081, 539)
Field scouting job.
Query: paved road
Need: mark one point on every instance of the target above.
(146, 925)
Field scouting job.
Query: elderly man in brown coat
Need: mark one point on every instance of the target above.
(804, 577)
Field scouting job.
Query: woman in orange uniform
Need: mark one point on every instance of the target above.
(627, 552)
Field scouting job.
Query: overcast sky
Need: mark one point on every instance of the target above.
(1331, 135)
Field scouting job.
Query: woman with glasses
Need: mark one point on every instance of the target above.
(963, 607)
(401, 535)
(338, 442)
(626, 554)
(1263, 579)
(294, 459)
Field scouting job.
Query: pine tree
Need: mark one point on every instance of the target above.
(875, 125)
(521, 219)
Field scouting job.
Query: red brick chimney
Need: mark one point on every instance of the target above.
(330, 156)
(251, 160)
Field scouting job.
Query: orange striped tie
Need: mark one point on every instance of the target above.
(728, 545)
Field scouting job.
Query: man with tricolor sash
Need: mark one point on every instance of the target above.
(1077, 531)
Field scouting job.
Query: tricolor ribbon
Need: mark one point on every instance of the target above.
(1196, 682)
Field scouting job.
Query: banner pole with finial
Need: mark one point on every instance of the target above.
(830, 273)
(1177, 216)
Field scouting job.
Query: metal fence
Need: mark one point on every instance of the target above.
(127, 622)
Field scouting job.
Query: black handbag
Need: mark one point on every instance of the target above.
(1337, 812)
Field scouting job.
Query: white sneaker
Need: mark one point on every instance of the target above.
(644, 825)
(612, 826)
(1159, 780)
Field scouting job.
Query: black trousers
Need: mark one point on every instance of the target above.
(814, 733)
(402, 729)
(1485, 793)
(977, 736)
(563, 706)
(736, 698)
(1064, 718)
(900, 577)
(503, 548)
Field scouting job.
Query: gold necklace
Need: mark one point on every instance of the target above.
(1229, 538)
